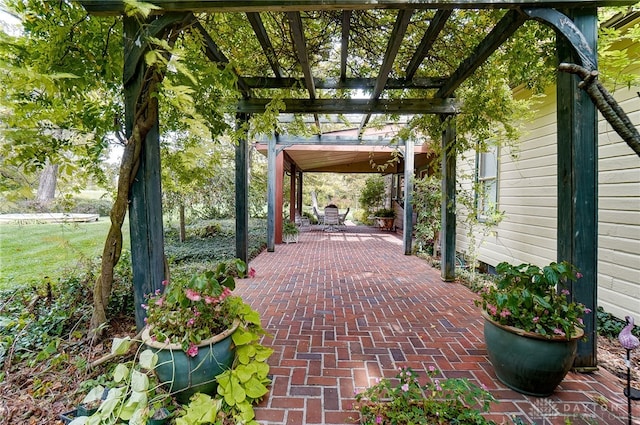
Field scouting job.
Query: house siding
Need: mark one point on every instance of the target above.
(527, 188)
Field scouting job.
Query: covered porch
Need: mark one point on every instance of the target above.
(345, 308)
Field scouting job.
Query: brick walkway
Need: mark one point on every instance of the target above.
(348, 307)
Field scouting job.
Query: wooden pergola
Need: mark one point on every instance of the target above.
(575, 23)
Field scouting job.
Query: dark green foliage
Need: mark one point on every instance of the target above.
(385, 212)
(101, 207)
(610, 326)
(35, 319)
(213, 241)
(372, 195)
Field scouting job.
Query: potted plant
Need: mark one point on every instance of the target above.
(289, 232)
(405, 400)
(527, 311)
(385, 218)
(195, 327)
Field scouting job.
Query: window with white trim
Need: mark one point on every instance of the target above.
(487, 175)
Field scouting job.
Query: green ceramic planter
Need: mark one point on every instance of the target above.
(527, 362)
(183, 375)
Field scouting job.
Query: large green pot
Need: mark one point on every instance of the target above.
(528, 362)
(183, 375)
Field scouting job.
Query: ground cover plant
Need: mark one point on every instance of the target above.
(45, 348)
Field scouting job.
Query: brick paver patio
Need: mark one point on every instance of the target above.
(345, 308)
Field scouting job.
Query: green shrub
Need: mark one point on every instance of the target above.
(610, 326)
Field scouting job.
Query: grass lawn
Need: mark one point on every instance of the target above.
(28, 252)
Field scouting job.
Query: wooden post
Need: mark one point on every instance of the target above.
(145, 207)
(299, 194)
(578, 183)
(271, 193)
(448, 207)
(279, 201)
(242, 191)
(409, 165)
(292, 193)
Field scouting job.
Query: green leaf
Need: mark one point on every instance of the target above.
(242, 337)
(94, 395)
(255, 389)
(148, 359)
(120, 346)
(120, 373)
(139, 381)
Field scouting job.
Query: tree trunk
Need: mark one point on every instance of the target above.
(183, 230)
(47, 186)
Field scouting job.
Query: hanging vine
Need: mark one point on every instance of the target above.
(145, 116)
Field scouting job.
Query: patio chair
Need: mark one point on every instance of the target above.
(331, 219)
(342, 217)
(319, 216)
(302, 222)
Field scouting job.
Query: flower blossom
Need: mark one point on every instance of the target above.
(159, 301)
(252, 272)
(191, 322)
(405, 387)
(535, 319)
(493, 310)
(565, 292)
(192, 295)
(558, 331)
(378, 419)
(579, 275)
(192, 351)
(505, 312)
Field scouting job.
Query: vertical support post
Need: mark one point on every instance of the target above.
(292, 192)
(577, 237)
(145, 207)
(271, 193)
(242, 190)
(448, 207)
(279, 195)
(299, 204)
(409, 166)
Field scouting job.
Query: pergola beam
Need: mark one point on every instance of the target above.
(509, 23)
(116, 7)
(435, 27)
(300, 45)
(265, 42)
(395, 41)
(214, 54)
(355, 106)
(344, 46)
(288, 140)
(348, 83)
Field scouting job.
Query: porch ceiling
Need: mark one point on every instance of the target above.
(348, 159)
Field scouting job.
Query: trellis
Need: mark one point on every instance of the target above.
(574, 21)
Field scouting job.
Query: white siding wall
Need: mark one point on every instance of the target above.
(527, 195)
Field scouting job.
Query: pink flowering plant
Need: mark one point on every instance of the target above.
(191, 310)
(534, 299)
(406, 400)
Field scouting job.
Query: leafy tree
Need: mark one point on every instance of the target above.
(372, 194)
(59, 93)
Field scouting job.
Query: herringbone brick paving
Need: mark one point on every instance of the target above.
(345, 308)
